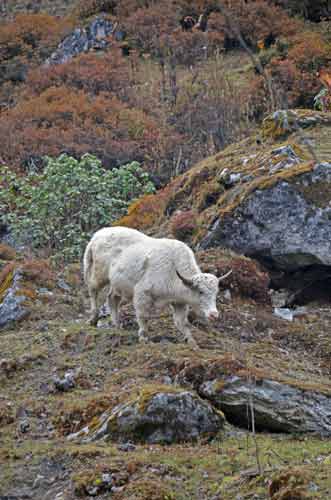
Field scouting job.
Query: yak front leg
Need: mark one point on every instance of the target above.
(180, 313)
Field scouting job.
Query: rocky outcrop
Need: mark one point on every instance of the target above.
(278, 405)
(94, 36)
(267, 197)
(283, 123)
(275, 202)
(156, 416)
(12, 307)
(24, 286)
(287, 224)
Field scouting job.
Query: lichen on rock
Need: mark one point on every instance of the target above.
(280, 404)
(157, 416)
(283, 224)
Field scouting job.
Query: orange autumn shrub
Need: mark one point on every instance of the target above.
(293, 73)
(145, 212)
(310, 51)
(88, 72)
(63, 120)
(31, 35)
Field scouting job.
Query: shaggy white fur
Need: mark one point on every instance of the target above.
(152, 273)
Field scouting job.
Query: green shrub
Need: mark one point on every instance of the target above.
(62, 206)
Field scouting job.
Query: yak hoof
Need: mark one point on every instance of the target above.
(191, 342)
(142, 338)
(93, 320)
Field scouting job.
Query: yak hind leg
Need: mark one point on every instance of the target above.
(143, 304)
(180, 313)
(94, 314)
(114, 303)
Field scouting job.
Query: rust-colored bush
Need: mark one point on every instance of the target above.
(38, 272)
(183, 224)
(149, 210)
(87, 8)
(144, 213)
(290, 484)
(63, 120)
(88, 72)
(247, 278)
(309, 51)
(256, 21)
(147, 27)
(7, 252)
(31, 35)
(293, 74)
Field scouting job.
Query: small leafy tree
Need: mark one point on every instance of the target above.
(62, 206)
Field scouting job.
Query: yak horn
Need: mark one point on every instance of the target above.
(224, 276)
(187, 281)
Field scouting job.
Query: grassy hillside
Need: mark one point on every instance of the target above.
(197, 108)
(36, 418)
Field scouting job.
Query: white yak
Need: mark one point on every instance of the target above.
(150, 272)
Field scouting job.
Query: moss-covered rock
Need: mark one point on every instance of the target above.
(287, 224)
(278, 403)
(157, 415)
(282, 123)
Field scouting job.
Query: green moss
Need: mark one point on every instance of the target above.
(112, 426)
(231, 201)
(5, 284)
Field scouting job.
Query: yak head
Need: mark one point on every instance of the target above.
(204, 289)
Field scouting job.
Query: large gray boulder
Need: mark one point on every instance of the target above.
(156, 416)
(278, 407)
(287, 225)
(279, 404)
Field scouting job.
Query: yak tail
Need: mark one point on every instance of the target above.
(88, 262)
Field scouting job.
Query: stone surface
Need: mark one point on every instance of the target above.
(277, 406)
(66, 383)
(157, 417)
(282, 123)
(94, 36)
(12, 307)
(287, 224)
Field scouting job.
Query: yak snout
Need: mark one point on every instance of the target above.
(213, 315)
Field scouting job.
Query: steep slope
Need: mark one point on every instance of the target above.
(267, 196)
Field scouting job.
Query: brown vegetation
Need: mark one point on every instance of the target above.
(183, 225)
(180, 88)
(247, 279)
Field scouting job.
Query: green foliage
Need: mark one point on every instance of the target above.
(68, 201)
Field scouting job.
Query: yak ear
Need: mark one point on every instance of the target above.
(222, 278)
(187, 281)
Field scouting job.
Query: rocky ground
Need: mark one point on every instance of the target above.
(58, 376)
